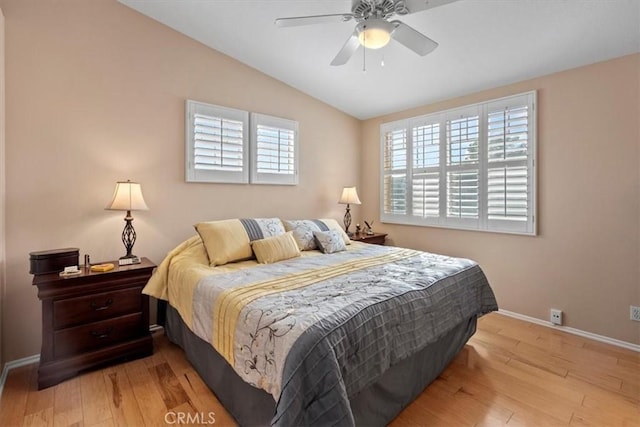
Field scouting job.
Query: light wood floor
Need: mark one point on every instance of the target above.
(510, 373)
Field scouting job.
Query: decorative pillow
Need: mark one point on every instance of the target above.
(276, 248)
(330, 241)
(333, 225)
(230, 240)
(303, 231)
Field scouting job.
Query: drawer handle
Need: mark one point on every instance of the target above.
(104, 307)
(103, 335)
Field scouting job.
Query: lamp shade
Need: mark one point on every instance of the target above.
(349, 196)
(374, 33)
(127, 197)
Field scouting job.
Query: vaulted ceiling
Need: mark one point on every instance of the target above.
(482, 44)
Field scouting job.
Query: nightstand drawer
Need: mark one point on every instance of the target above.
(96, 335)
(91, 308)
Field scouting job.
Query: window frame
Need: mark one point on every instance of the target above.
(442, 118)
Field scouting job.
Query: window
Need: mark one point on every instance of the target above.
(217, 144)
(468, 168)
(232, 146)
(274, 155)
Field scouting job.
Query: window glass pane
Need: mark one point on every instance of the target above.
(426, 146)
(462, 140)
(508, 134)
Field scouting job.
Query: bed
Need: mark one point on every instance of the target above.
(308, 335)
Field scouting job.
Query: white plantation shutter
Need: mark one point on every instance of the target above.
(425, 188)
(462, 194)
(274, 150)
(394, 176)
(425, 171)
(507, 193)
(510, 164)
(462, 144)
(469, 168)
(221, 148)
(217, 144)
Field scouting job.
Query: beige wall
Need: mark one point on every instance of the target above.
(585, 259)
(95, 94)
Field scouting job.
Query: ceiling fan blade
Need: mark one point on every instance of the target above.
(297, 21)
(347, 50)
(413, 6)
(410, 38)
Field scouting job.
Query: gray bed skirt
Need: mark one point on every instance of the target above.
(376, 405)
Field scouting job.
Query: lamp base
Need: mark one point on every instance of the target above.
(347, 221)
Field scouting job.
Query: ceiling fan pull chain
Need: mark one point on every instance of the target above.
(364, 55)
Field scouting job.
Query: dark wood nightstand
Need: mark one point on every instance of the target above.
(375, 238)
(92, 319)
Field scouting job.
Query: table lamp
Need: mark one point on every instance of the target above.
(128, 197)
(349, 197)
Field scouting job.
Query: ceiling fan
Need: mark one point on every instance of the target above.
(374, 29)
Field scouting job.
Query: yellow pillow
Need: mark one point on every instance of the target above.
(276, 248)
(225, 241)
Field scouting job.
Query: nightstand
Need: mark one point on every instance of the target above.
(375, 238)
(92, 319)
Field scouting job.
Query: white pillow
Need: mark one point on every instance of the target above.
(330, 241)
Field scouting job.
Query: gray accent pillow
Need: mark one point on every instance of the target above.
(329, 241)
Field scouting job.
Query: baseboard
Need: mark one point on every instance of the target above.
(155, 328)
(574, 331)
(16, 364)
(36, 358)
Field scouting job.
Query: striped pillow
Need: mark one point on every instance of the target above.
(230, 240)
(276, 248)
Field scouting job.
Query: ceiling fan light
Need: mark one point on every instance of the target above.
(374, 33)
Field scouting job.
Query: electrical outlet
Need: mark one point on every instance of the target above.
(556, 316)
(635, 313)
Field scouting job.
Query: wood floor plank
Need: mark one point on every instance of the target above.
(67, 406)
(95, 400)
(42, 418)
(510, 373)
(618, 352)
(14, 395)
(175, 357)
(39, 401)
(122, 401)
(146, 392)
(170, 388)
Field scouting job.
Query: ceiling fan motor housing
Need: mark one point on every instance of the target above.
(383, 9)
